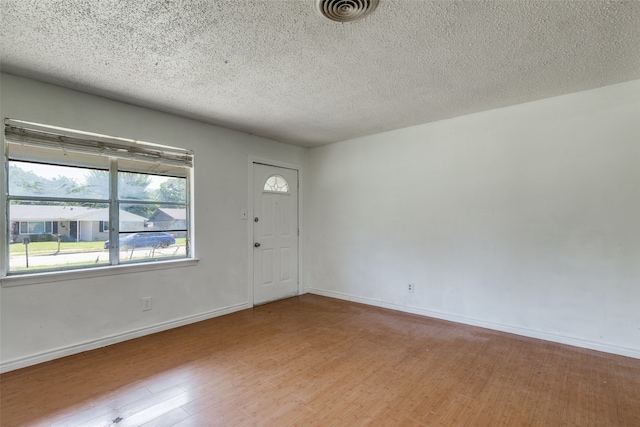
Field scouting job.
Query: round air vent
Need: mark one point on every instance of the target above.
(345, 10)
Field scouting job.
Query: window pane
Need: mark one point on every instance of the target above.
(168, 217)
(33, 179)
(81, 242)
(147, 187)
(154, 217)
(167, 189)
(155, 231)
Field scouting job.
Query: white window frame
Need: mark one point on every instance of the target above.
(115, 149)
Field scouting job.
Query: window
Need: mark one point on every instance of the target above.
(277, 184)
(66, 188)
(39, 227)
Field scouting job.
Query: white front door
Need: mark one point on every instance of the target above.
(275, 233)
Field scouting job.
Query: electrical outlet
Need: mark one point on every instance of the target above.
(410, 287)
(146, 304)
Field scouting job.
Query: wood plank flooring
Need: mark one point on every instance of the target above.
(315, 361)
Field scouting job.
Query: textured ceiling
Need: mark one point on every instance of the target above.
(277, 69)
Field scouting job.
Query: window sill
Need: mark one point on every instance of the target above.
(60, 276)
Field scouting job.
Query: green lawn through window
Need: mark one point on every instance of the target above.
(65, 247)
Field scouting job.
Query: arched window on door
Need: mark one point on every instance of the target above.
(276, 184)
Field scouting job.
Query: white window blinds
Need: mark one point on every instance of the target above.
(35, 142)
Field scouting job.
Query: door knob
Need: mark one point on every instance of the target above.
(256, 244)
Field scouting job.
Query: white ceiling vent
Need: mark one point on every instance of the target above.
(345, 10)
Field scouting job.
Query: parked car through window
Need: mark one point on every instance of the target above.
(145, 240)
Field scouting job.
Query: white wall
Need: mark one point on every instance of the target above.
(42, 321)
(523, 219)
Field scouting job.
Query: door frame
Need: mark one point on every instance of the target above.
(278, 164)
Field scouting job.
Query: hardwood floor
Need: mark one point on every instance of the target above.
(315, 361)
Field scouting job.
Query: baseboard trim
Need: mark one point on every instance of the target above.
(34, 359)
(575, 342)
